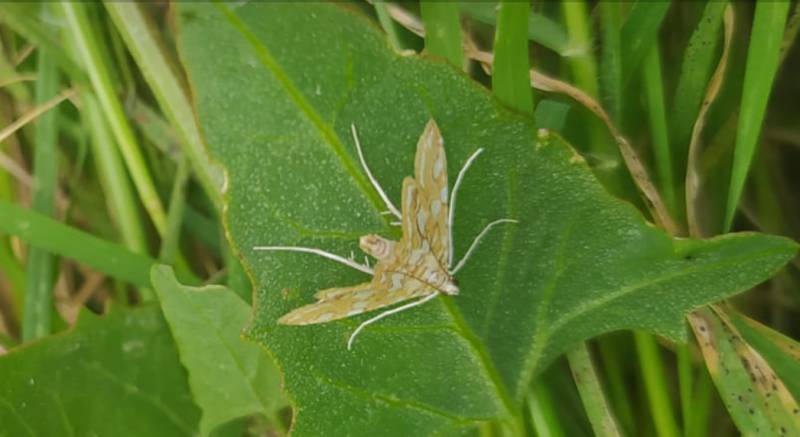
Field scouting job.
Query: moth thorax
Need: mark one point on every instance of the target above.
(377, 246)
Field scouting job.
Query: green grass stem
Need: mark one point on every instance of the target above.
(86, 43)
(762, 65)
(510, 71)
(652, 367)
(40, 268)
(443, 30)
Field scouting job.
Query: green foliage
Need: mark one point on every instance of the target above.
(112, 375)
(206, 324)
(578, 264)
(237, 117)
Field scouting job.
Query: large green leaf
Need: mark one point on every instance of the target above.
(206, 323)
(277, 88)
(114, 375)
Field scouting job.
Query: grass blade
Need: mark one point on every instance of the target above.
(656, 111)
(177, 203)
(611, 65)
(86, 43)
(119, 195)
(652, 368)
(541, 29)
(762, 65)
(41, 267)
(594, 401)
(169, 89)
(698, 62)
(510, 80)
(693, 173)
(52, 236)
(443, 36)
(582, 64)
(640, 33)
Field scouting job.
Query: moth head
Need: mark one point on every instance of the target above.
(376, 246)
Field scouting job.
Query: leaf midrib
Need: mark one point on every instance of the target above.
(296, 96)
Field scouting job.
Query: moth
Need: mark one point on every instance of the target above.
(418, 266)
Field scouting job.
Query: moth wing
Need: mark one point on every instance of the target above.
(345, 302)
(430, 173)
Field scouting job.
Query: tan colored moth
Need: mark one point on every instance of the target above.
(417, 266)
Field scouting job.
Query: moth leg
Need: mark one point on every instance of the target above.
(451, 213)
(477, 240)
(386, 314)
(393, 209)
(331, 256)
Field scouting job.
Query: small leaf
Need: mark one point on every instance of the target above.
(579, 262)
(114, 375)
(230, 377)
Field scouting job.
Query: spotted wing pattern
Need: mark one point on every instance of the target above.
(416, 268)
(430, 172)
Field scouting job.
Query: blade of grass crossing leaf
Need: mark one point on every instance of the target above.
(542, 411)
(594, 401)
(697, 65)
(652, 368)
(169, 89)
(177, 203)
(762, 64)
(640, 33)
(86, 43)
(656, 111)
(49, 235)
(41, 264)
(119, 195)
(510, 76)
(443, 30)
(611, 65)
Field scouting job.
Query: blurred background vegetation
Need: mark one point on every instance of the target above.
(100, 149)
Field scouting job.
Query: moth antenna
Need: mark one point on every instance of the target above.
(396, 223)
(478, 240)
(451, 213)
(372, 179)
(386, 314)
(320, 252)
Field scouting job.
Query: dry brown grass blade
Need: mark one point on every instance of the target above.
(754, 395)
(16, 79)
(650, 194)
(693, 180)
(35, 112)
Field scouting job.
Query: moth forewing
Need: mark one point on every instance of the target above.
(430, 172)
